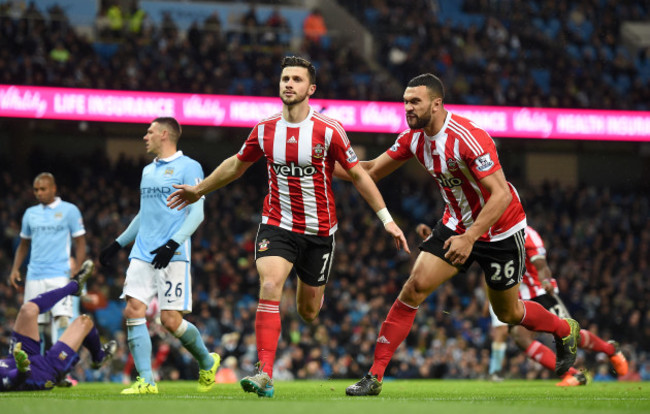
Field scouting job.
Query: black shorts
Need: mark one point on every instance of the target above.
(503, 261)
(553, 304)
(311, 255)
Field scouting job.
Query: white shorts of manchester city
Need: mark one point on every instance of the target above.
(63, 307)
(171, 285)
(495, 321)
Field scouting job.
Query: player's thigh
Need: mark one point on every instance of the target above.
(140, 282)
(175, 287)
(308, 297)
(428, 273)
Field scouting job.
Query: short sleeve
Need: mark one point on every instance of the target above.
(76, 222)
(193, 173)
(401, 149)
(251, 150)
(25, 229)
(341, 149)
(480, 154)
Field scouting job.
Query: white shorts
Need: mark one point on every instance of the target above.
(171, 285)
(495, 321)
(63, 307)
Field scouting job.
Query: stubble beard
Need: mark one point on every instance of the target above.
(295, 100)
(418, 123)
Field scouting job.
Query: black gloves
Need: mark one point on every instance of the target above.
(164, 254)
(108, 252)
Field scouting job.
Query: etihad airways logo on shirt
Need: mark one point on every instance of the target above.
(294, 170)
(152, 192)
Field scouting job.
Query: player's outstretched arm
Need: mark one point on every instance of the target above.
(228, 171)
(369, 191)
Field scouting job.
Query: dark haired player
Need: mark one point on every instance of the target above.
(483, 221)
(301, 147)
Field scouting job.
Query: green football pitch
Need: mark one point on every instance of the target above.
(316, 397)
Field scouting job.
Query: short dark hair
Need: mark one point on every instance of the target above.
(172, 124)
(431, 81)
(303, 63)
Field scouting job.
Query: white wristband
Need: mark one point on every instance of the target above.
(384, 216)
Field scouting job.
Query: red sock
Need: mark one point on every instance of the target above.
(393, 331)
(538, 319)
(594, 343)
(267, 333)
(539, 352)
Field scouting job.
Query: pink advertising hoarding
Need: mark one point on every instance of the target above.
(360, 116)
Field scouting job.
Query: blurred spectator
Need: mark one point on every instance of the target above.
(314, 26)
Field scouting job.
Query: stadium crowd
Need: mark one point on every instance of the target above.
(598, 241)
(498, 57)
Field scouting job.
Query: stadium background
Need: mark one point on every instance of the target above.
(588, 199)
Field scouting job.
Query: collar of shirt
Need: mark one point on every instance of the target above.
(170, 158)
(442, 130)
(53, 204)
(297, 125)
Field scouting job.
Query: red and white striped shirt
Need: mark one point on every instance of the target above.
(300, 161)
(530, 286)
(458, 157)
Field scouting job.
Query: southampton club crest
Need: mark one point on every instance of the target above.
(263, 245)
(452, 164)
(318, 151)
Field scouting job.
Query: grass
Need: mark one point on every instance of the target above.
(316, 397)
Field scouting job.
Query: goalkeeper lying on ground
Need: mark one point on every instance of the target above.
(26, 369)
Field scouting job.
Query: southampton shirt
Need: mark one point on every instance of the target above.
(458, 157)
(300, 160)
(530, 286)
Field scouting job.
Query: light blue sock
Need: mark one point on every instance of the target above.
(140, 346)
(497, 356)
(191, 339)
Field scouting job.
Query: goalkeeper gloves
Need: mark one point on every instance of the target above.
(108, 252)
(164, 254)
(21, 358)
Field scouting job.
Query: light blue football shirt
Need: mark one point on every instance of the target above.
(51, 229)
(158, 223)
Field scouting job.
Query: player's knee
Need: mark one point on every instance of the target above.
(414, 291)
(30, 309)
(307, 314)
(171, 320)
(508, 316)
(270, 287)
(86, 320)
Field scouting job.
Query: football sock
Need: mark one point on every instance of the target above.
(497, 356)
(191, 339)
(94, 345)
(538, 319)
(140, 347)
(594, 343)
(45, 301)
(393, 331)
(267, 332)
(542, 354)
